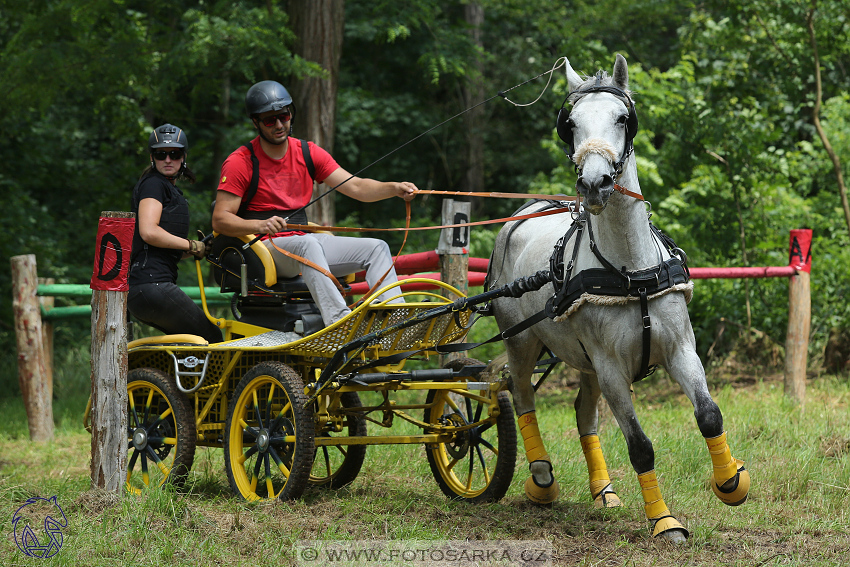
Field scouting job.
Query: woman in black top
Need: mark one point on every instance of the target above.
(159, 242)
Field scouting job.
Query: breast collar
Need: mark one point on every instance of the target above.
(608, 280)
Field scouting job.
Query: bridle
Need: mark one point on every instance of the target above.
(565, 131)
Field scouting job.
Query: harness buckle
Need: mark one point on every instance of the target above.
(647, 324)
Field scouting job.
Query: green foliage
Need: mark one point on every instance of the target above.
(724, 91)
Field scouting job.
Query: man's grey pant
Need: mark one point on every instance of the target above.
(340, 255)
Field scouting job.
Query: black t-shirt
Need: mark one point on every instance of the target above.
(150, 264)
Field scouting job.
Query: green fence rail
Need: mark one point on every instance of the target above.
(214, 298)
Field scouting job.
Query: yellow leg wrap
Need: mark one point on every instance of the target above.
(534, 450)
(724, 465)
(730, 481)
(659, 516)
(600, 483)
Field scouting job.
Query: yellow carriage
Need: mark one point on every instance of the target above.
(282, 399)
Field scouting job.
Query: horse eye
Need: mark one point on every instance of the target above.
(622, 119)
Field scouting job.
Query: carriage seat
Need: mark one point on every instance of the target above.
(227, 256)
(265, 300)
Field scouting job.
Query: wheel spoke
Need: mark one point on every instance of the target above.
(478, 410)
(257, 408)
(489, 446)
(246, 455)
(279, 462)
(280, 415)
(133, 412)
(158, 462)
(132, 462)
(485, 427)
(269, 402)
(269, 486)
(257, 464)
(483, 465)
(327, 460)
(146, 479)
(148, 403)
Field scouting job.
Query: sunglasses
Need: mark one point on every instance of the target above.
(173, 154)
(270, 121)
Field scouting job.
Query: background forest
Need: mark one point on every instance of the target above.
(730, 96)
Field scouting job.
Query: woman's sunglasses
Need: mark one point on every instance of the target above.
(173, 154)
(270, 121)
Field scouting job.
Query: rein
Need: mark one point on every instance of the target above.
(622, 190)
(314, 228)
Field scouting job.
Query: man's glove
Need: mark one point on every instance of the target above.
(197, 248)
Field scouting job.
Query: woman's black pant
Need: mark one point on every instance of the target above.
(166, 307)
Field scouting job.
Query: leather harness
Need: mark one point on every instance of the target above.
(607, 281)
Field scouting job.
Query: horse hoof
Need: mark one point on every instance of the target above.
(734, 491)
(541, 494)
(607, 498)
(671, 529)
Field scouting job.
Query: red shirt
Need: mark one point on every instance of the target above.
(284, 184)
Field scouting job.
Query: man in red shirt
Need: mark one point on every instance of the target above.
(284, 185)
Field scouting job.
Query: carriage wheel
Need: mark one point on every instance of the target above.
(334, 466)
(478, 464)
(160, 430)
(268, 440)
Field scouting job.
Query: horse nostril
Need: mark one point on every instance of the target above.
(581, 186)
(606, 183)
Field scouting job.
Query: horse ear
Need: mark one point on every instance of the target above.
(621, 73)
(573, 79)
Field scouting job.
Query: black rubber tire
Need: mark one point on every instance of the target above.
(270, 401)
(160, 429)
(335, 466)
(491, 447)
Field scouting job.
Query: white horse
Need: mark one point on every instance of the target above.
(619, 305)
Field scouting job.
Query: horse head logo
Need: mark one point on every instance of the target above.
(38, 527)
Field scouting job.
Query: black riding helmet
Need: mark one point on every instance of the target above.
(266, 96)
(169, 136)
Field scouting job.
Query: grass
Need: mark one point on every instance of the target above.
(798, 512)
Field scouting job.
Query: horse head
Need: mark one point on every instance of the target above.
(598, 130)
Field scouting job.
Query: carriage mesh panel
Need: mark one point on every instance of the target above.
(303, 356)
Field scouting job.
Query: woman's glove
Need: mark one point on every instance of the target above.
(197, 248)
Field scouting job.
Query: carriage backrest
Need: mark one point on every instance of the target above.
(227, 255)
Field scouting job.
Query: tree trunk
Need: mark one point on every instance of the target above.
(836, 162)
(36, 389)
(318, 25)
(473, 93)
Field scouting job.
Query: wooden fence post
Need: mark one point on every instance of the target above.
(799, 316)
(453, 249)
(36, 389)
(109, 351)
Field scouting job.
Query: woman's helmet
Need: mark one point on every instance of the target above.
(168, 136)
(266, 96)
